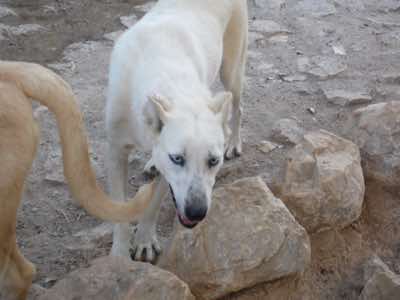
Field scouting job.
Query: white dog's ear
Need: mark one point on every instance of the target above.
(162, 105)
(221, 106)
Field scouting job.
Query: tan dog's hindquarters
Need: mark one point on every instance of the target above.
(18, 143)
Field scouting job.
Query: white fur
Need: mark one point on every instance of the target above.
(161, 71)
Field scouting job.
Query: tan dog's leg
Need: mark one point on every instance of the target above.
(19, 137)
(233, 71)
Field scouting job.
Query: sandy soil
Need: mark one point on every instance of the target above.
(357, 43)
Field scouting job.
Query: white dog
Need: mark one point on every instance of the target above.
(159, 100)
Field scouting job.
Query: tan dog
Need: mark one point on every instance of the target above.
(18, 143)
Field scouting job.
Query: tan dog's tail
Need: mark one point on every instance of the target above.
(50, 90)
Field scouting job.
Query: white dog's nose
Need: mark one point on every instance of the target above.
(196, 212)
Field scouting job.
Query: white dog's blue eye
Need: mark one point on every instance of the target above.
(213, 161)
(177, 159)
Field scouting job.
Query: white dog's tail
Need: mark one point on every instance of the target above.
(50, 90)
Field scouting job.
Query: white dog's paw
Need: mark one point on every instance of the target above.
(150, 171)
(146, 246)
(234, 148)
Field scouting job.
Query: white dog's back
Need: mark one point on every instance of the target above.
(189, 32)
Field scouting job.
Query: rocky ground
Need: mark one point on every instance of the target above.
(311, 64)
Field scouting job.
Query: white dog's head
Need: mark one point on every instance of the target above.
(189, 152)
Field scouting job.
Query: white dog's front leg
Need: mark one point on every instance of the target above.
(146, 246)
(117, 177)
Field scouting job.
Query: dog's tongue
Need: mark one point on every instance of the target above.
(185, 220)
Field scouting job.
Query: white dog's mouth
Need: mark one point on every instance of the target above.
(182, 219)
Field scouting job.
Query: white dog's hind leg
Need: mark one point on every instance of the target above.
(233, 71)
(118, 185)
(146, 246)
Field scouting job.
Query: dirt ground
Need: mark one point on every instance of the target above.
(355, 43)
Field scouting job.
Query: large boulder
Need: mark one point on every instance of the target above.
(248, 237)
(375, 129)
(117, 278)
(323, 185)
(382, 283)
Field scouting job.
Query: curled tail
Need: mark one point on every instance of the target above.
(52, 91)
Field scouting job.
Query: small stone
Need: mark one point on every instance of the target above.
(35, 292)
(295, 77)
(287, 131)
(339, 49)
(255, 37)
(128, 21)
(88, 239)
(144, 8)
(269, 4)
(373, 265)
(322, 67)
(391, 77)
(382, 283)
(353, 5)
(311, 110)
(314, 8)
(113, 36)
(268, 28)
(279, 38)
(346, 98)
(267, 146)
(20, 30)
(5, 12)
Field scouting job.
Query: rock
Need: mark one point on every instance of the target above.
(113, 36)
(384, 20)
(256, 38)
(391, 77)
(23, 29)
(287, 131)
(279, 38)
(293, 78)
(267, 27)
(269, 4)
(267, 146)
(347, 98)
(5, 12)
(311, 110)
(144, 8)
(323, 185)
(248, 237)
(353, 5)
(339, 49)
(36, 291)
(375, 130)
(315, 8)
(128, 21)
(322, 67)
(373, 265)
(382, 284)
(88, 239)
(119, 278)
